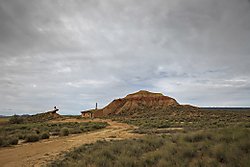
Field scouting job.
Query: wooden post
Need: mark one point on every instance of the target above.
(96, 106)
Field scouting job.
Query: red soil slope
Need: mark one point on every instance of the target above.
(137, 100)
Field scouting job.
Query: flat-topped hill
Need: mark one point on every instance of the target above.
(144, 93)
(137, 101)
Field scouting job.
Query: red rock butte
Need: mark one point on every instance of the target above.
(135, 101)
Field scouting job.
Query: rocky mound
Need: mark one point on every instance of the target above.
(50, 115)
(138, 101)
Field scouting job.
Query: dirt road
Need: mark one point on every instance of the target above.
(39, 153)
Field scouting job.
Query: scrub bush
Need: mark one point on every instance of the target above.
(13, 141)
(32, 138)
(3, 142)
(64, 132)
(45, 135)
(16, 119)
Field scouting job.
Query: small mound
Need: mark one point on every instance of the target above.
(43, 117)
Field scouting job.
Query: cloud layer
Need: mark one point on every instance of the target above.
(76, 53)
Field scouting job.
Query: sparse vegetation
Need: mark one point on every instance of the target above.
(75, 131)
(32, 138)
(11, 132)
(198, 137)
(64, 132)
(183, 117)
(3, 142)
(16, 119)
(45, 135)
(228, 146)
(13, 141)
(177, 136)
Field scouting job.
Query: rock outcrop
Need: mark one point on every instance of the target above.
(43, 117)
(52, 111)
(136, 101)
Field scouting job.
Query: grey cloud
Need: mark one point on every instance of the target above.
(74, 54)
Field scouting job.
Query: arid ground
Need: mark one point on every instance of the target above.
(39, 153)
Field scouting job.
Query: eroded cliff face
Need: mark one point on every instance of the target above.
(138, 100)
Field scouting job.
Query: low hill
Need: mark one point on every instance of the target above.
(50, 115)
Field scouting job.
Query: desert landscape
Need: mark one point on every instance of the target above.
(44, 151)
(141, 129)
(126, 83)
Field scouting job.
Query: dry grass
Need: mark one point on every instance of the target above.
(32, 132)
(204, 148)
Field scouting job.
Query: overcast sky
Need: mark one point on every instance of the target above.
(73, 54)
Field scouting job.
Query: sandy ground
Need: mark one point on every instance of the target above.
(40, 153)
(4, 119)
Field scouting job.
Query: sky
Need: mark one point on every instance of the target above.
(73, 54)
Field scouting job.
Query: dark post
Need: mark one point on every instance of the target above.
(96, 106)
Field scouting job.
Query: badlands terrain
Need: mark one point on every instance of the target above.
(141, 129)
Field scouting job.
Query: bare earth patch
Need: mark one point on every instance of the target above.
(40, 153)
(4, 120)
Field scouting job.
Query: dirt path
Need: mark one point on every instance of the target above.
(39, 153)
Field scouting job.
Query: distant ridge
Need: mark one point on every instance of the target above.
(7, 116)
(227, 108)
(4, 116)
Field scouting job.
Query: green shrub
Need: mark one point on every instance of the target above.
(3, 142)
(108, 154)
(188, 152)
(82, 128)
(45, 135)
(244, 145)
(125, 161)
(32, 138)
(23, 127)
(204, 162)
(64, 132)
(220, 125)
(188, 138)
(56, 129)
(36, 130)
(151, 159)
(247, 124)
(16, 119)
(102, 161)
(20, 135)
(13, 141)
(196, 137)
(219, 153)
(116, 149)
(163, 163)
